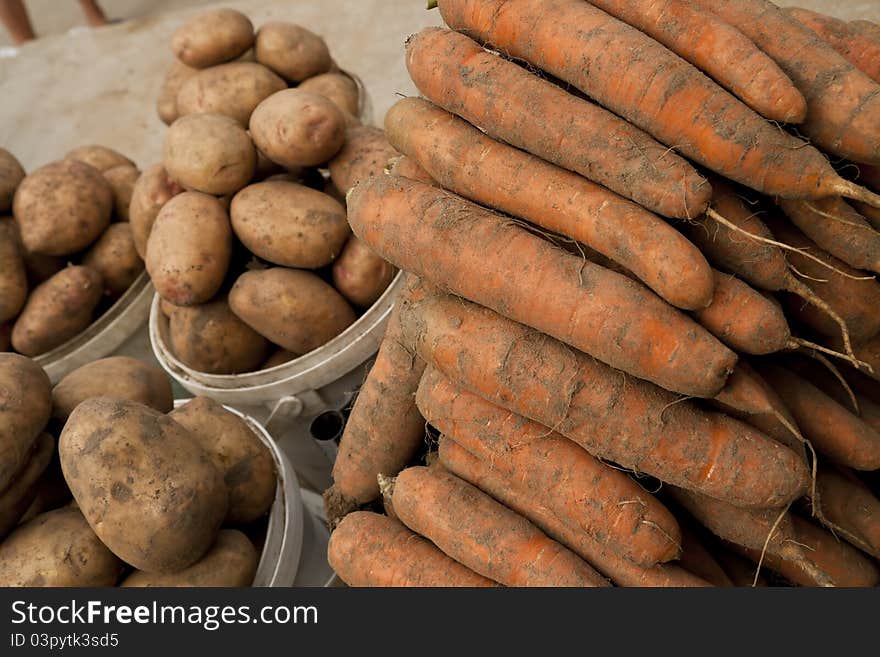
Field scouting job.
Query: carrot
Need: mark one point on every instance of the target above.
(384, 429)
(484, 535)
(696, 559)
(835, 226)
(863, 384)
(831, 428)
(869, 352)
(843, 104)
(590, 495)
(831, 562)
(409, 167)
(479, 255)
(622, 572)
(365, 154)
(719, 50)
(765, 533)
(871, 215)
(866, 28)
(612, 416)
(367, 549)
(855, 301)
(853, 44)
(870, 175)
(660, 93)
(515, 106)
(739, 569)
(851, 509)
(466, 161)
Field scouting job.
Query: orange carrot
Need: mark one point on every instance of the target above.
(830, 427)
(696, 559)
(466, 161)
(719, 50)
(518, 107)
(612, 416)
(660, 92)
(843, 104)
(590, 495)
(739, 569)
(848, 505)
(484, 535)
(409, 167)
(365, 154)
(478, 254)
(622, 572)
(384, 429)
(367, 549)
(857, 47)
(869, 352)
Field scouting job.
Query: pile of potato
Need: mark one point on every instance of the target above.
(242, 226)
(67, 253)
(160, 496)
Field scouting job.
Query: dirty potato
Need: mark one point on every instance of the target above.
(292, 51)
(18, 496)
(122, 180)
(11, 174)
(213, 37)
(360, 274)
(153, 189)
(175, 77)
(13, 275)
(25, 408)
(338, 87)
(100, 157)
(115, 258)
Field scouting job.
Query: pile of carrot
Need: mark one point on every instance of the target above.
(639, 343)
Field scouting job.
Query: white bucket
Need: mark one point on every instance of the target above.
(286, 398)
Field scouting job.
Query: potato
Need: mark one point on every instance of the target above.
(292, 51)
(122, 180)
(292, 308)
(57, 548)
(280, 357)
(210, 338)
(175, 77)
(25, 407)
(238, 453)
(18, 496)
(39, 267)
(152, 190)
(51, 491)
(231, 561)
(338, 87)
(233, 90)
(167, 308)
(189, 249)
(62, 207)
(365, 154)
(120, 377)
(289, 224)
(13, 276)
(146, 487)
(57, 310)
(360, 274)
(209, 153)
(100, 157)
(11, 174)
(298, 128)
(115, 258)
(213, 37)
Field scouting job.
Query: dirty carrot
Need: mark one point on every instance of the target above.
(848, 505)
(696, 559)
(661, 93)
(520, 108)
(367, 549)
(468, 162)
(612, 416)
(483, 534)
(602, 501)
(409, 167)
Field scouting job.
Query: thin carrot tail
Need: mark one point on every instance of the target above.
(803, 290)
(812, 350)
(849, 189)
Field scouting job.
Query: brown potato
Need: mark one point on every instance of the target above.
(231, 561)
(38, 267)
(152, 190)
(57, 548)
(360, 274)
(146, 487)
(25, 408)
(233, 90)
(51, 491)
(366, 154)
(18, 496)
(57, 310)
(213, 37)
(292, 51)
(175, 77)
(100, 157)
(11, 174)
(167, 308)
(120, 377)
(189, 249)
(338, 87)
(280, 357)
(241, 457)
(289, 224)
(13, 276)
(62, 207)
(209, 153)
(294, 309)
(298, 128)
(210, 338)
(122, 180)
(114, 257)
